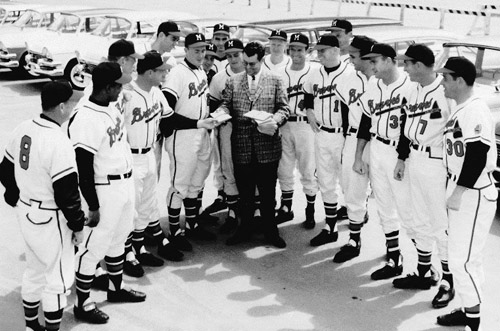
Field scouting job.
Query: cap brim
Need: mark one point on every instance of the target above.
(318, 47)
(445, 71)
(176, 33)
(297, 43)
(137, 56)
(371, 55)
(198, 44)
(334, 28)
(353, 49)
(210, 53)
(233, 50)
(277, 38)
(222, 32)
(404, 57)
(124, 79)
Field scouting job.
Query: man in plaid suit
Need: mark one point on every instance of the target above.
(256, 144)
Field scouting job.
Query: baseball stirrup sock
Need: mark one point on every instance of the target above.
(191, 209)
(232, 202)
(137, 240)
(472, 319)
(424, 263)
(447, 275)
(115, 271)
(173, 220)
(128, 243)
(392, 244)
(31, 314)
(355, 230)
(155, 228)
(83, 284)
(256, 202)
(199, 202)
(331, 215)
(286, 200)
(53, 320)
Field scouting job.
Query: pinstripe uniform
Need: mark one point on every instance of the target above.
(469, 226)
(189, 150)
(102, 132)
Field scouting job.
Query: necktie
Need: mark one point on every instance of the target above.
(253, 85)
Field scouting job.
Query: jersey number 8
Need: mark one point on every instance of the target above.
(24, 153)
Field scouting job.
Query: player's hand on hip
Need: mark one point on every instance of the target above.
(94, 218)
(399, 170)
(77, 238)
(207, 123)
(360, 167)
(268, 127)
(312, 120)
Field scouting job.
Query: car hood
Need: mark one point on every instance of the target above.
(19, 38)
(56, 43)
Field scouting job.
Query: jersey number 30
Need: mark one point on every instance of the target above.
(456, 147)
(24, 153)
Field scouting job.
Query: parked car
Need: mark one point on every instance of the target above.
(11, 11)
(29, 26)
(53, 54)
(484, 52)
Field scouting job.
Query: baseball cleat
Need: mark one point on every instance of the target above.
(283, 216)
(275, 241)
(229, 225)
(347, 252)
(324, 237)
(240, 236)
(148, 259)
(389, 270)
(309, 223)
(170, 253)
(455, 318)
(181, 243)
(413, 282)
(443, 297)
(133, 268)
(126, 295)
(91, 314)
(199, 233)
(218, 205)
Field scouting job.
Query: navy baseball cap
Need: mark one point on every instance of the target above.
(420, 53)
(461, 67)
(151, 60)
(169, 27)
(233, 45)
(299, 39)
(221, 28)
(195, 40)
(278, 34)
(123, 47)
(211, 49)
(107, 73)
(55, 93)
(361, 44)
(341, 24)
(380, 50)
(326, 41)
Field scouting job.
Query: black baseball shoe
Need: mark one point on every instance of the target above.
(389, 270)
(181, 243)
(206, 218)
(170, 253)
(229, 225)
(324, 237)
(455, 318)
(199, 233)
(443, 297)
(413, 282)
(126, 295)
(275, 241)
(218, 205)
(101, 282)
(240, 236)
(309, 223)
(148, 259)
(133, 268)
(283, 216)
(90, 313)
(348, 252)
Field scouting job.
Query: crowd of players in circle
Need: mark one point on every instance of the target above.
(419, 139)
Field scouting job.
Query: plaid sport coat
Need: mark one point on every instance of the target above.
(248, 144)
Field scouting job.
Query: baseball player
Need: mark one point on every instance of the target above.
(355, 186)
(342, 29)
(427, 111)
(326, 98)
(219, 38)
(382, 105)
(97, 130)
(49, 212)
(222, 157)
(277, 59)
(167, 37)
(189, 150)
(297, 137)
(470, 157)
(208, 62)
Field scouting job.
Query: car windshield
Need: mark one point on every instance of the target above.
(29, 19)
(65, 23)
(10, 16)
(114, 27)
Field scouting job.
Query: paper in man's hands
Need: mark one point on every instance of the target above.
(259, 116)
(220, 116)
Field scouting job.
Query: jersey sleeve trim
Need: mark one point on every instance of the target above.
(9, 156)
(85, 147)
(477, 138)
(63, 173)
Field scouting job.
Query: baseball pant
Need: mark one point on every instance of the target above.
(145, 182)
(157, 149)
(392, 196)
(108, 238)
(50, 260)
(297, 141)
(428, 201)
(223, 160)
(216, 161)
(468, 230)
(189, 152)
(328, 154)
(354, 185)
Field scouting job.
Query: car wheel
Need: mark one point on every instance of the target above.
(22, 70)
(74, 74)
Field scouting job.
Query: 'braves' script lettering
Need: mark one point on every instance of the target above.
(197, 90)
(115, 133)
(384, 104)
(138, 115)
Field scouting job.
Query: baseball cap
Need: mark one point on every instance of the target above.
(211, 49)
(327, 40)
(418, 52)
(221, 28)
(152, 60)
(278, 34)
(55, 93)
(195, 40)
(107, 73)
(461, 67)
(341, 24)
(380, 50)
(123, 47)
(361, 44)
(299, 39)
(169, 27)
(233, 45)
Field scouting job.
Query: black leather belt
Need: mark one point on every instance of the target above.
(331, 130)
(140, 150)
(386, 141)
(298, 119)
(352, 130)
(118, 177)
(421, 148)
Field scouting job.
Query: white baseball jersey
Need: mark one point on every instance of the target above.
(294, 81)
(278, 66)
(382, 103)
(102, 132)
(189, 86)
(142, 115)
(220, 66)
(219, 83)
(470, 121)
(358, 84)
(330, 90)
